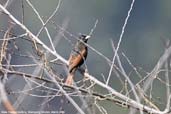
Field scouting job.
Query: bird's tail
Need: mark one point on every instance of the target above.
(69, 80)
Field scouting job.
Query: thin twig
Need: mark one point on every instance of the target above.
(125, 75)
(33, 36)
(120, 39)
(92, 30)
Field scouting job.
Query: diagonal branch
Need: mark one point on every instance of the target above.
(30, 34)
(120, 39)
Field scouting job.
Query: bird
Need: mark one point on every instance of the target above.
(77, 57)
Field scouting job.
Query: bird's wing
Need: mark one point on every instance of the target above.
(76, 59)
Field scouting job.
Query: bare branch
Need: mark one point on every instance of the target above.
(33, 36)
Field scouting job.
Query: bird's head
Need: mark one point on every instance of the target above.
(84, 37)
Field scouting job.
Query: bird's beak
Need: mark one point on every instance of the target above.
(87, 37)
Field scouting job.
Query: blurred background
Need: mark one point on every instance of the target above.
(143, 41)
